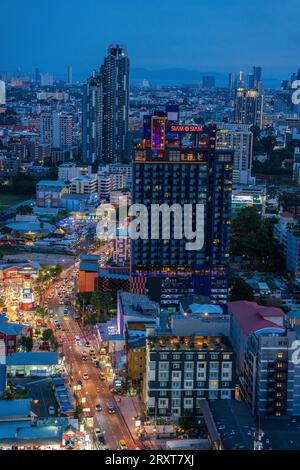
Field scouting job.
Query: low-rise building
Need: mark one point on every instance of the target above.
(50, 193)
(181, 371)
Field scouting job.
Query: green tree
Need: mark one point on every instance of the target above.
(240, 290)
(27, 343)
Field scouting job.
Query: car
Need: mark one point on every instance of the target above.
(85, 376)
(100, 435)
(98, 407)
(123, 445)
(84, 357)
(94, 359)
(51, 411)
(102, 376)
(111, 407)
(87, 344)
(92, 352)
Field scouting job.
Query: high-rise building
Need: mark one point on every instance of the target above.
(106, 108)
(241, 80)
(248, 107)
(251, 81)
(2, 93)
(47, 79)
(46, 128)
(92, 119)
(115, 77)
(231, 82)
(62, 134)
(70, 74)
(56, 129)
(239, 138)
(208, 81)
(257, 75)
(37, 76)
(179, 164)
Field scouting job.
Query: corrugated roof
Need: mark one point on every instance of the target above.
(252, 317)
(33, 359)
(15, 408)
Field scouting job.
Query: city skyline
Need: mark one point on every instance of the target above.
(219, 43)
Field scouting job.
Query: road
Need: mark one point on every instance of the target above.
(94, 390)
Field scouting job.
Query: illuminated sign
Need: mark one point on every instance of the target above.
(187, 129)
(158, 133)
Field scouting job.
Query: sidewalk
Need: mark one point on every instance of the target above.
(130, 409)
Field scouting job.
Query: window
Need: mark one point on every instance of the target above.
(176, 357)
(189, 393)
(214, 357)
(213, 394)
(188, 366)
(226, 365)
(163, 376)
(163, 366)
(280, 355)
(226, 357)
(163, 393)
(188, 403)
(189, 357)
(188, 384)
(189, 375)
(200, 384)
(163, 357)
(176, 393)
(163, 384)
(162, 403)
(214, 366)
(213, 375)
(201, 365)
(176, 403)
(225, 394)
(201, 356)
(176, 375)
(176, 365)
(213, 384)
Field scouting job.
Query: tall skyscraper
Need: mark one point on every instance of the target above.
(70, 74)
(239, 138)
(2, 93)
(248, 107)
(231, 82)
(179, 164)
(257, 76)
(241, 80)
(37, 76)
(92, 119)
(115, 78)
(106, 109)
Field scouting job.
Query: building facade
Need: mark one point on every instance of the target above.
(174, 173)
(181, 372)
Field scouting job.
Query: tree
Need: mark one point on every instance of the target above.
(27, 343)
(48, 336)
(240, 290)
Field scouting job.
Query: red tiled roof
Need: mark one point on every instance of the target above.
(252, 317)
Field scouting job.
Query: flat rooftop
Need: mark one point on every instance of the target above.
(190, 343)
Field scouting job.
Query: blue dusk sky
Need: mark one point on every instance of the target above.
(216, 35)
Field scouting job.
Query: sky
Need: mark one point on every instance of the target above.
(214, 35)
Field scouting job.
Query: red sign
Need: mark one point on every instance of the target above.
(187, 129)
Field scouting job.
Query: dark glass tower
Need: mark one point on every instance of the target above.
(115, 79)
(92, 119)
(178, 164)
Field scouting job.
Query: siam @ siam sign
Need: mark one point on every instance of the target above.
(158, 222)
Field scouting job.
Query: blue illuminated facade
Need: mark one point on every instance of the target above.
(183, 167)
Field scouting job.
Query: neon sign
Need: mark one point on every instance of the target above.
(187, 129)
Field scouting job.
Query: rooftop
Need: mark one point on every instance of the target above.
(15, 408)
(253, 317)
(33, 359)
(190, 343)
